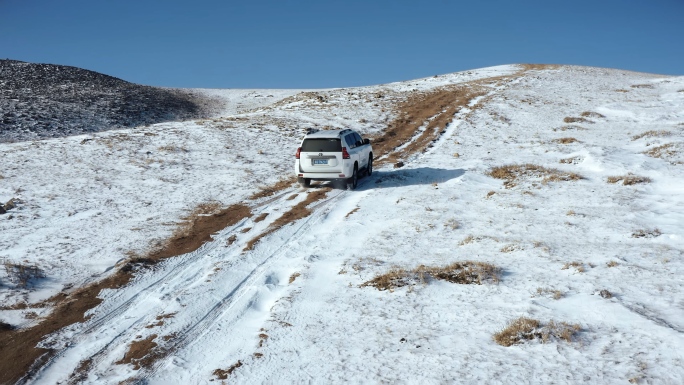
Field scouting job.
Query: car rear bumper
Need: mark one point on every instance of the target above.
(322, 175)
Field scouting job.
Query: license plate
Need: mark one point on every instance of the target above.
(320, 161)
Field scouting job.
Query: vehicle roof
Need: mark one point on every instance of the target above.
(327, 133)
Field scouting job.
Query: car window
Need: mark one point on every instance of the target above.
(350, 140)
(322, 145)
(357, 137)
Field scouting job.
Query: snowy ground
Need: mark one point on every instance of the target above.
(292, 310)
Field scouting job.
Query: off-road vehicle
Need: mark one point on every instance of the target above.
(340, 156)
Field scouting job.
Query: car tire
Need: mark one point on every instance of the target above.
(369, 168)
(304, 182)
(353, 180)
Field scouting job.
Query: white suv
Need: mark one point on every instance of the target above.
(336, 155)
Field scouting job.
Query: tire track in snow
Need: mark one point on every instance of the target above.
(220, 309)
(114, 306)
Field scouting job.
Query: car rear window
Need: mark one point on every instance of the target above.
(322, 145)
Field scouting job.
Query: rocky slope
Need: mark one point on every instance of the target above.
(47, 100)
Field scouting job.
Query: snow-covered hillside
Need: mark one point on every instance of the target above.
(569, 181)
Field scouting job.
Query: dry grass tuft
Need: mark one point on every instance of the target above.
(555, 294)
(517, 331)
(591, 114)
(652, 134)
(489, 194)
(612, 264)
(510, 248)
(628, 180)
(20, 274)
(572, 160)
(579, 267)
(665, 151)
(467, 240)
(351, 212)
(561, 330)
(570, 119)
(515, 172)
(570, 127)
(467, 272)
(526, 329)
(453, 224)
(646, 233)
(539, 67)
(565, 140)
(294, 276)
(223, 374)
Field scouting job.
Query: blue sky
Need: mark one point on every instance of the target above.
(318, 44)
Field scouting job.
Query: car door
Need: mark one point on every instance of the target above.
(364, 150)
(353, 149)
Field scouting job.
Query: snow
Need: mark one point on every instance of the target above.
(89, 201)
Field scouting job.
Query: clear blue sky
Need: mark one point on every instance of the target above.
(317, 44)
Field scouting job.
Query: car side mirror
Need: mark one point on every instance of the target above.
(366, 141)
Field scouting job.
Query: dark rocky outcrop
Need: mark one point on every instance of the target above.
(46, 100)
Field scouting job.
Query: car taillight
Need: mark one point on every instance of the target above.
(299, 150)
(345, 154)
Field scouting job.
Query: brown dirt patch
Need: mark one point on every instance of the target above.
(297, 212)
(198, 228)
(70, 308)
(20, 344)
(80, 374)
(270, 190)
(434, 109)
(260, 218)
(142, 353)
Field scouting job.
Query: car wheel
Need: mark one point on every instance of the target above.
(369, 169)
(304, 182)
(351, 183)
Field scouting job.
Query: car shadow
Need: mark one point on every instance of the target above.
(408, 177)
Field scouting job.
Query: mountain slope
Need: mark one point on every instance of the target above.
(567, 180)
(47, 100)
